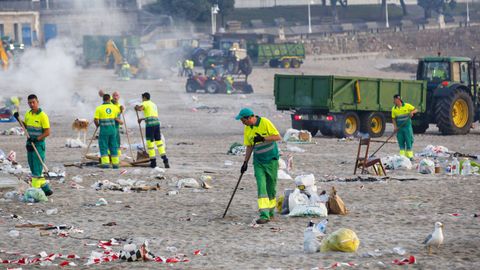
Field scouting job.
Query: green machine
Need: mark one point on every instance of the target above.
(285, 55)
(444, 94)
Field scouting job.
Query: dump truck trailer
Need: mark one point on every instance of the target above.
(342, 106)
(445, 93)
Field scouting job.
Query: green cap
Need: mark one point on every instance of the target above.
(244, 113)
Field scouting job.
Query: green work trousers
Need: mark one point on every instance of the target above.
(405, 137)
(266, 175)
(107, 142)
(35, 164)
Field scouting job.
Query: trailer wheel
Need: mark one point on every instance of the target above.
(286, 63)
(454, 113)
(273, 63)
(296, 63)
(246, 65)
(212, 87)
(373, 123)
(346, 125)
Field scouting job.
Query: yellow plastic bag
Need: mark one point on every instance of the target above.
(343, 239)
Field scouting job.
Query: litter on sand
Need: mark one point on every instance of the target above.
(297, 136)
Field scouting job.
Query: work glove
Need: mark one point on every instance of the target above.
(244, 167)
(16, 115)
(258, 138)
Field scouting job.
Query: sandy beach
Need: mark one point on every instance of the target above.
(199, 130)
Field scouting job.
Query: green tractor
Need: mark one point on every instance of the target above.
(452, 94)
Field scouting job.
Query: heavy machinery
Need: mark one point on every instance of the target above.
(234, 61)
(135, 56)
(445, 93)
(284, 55)
(3, 56)
(218, 84)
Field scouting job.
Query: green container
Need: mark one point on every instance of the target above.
(337, 94)
(263, 53)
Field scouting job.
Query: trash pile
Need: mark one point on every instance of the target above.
(123, 185)
(315, 239)
(434, 151)
(237, 149)
(396, 162)
(74, 143)
(297, 136)
(18, 131)
(303, 200)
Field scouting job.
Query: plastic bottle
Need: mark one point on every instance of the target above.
(455, 166)
(466, 167)
(322, 226)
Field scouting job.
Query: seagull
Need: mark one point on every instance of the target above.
(435, 238)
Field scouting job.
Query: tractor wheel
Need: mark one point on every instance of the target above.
(246, 66)
(454, 113)
(191, 86)
(286, 63)
(212, 87)
(296, 63)
(232, 66)
(346, 125)
(273, 63)
(373, 123)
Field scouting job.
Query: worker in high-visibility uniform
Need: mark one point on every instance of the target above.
(38, 127)
(105, 117)
(125, 71)
(402, 114)
(188, 67)
(118, 126)
(152, 130)
(260, 137)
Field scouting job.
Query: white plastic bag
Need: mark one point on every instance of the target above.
(306, 180)
(426, 166)
(312, 210)
(312, 239)
(282, 175)
(297, 198)
(396, 162)
(297, 136)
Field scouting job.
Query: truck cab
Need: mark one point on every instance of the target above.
(452, 101)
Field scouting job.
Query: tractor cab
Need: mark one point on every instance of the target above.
(445, 71)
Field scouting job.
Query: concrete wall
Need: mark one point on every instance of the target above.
(455, 42)
(9, 19)
(272, 3)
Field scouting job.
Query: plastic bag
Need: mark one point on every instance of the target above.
(297, 198)
(300, 136)
(305, 180)
(335, 204)
(344, 240)
(312, 238)
(396, 163)
(35, 195)
(312, 210)
(434, 151)
(426, 166)
(282, 175)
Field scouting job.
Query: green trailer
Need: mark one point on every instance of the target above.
(342, 106)
(445, 93)
(286, 55)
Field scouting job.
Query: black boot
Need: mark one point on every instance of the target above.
(165, 162)
(153, 162)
